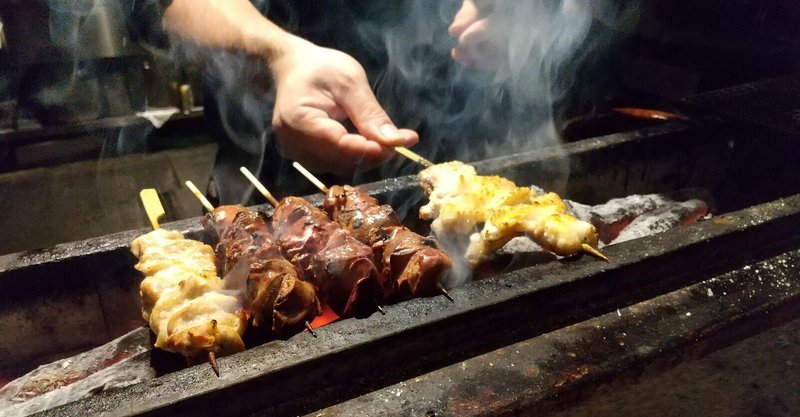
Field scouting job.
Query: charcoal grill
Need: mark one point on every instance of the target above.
(524, 340)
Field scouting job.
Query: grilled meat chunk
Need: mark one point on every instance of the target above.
(340, 266)
(183, 298)
(278, 298)
(415, 263)
(357, 211)
(412, 263)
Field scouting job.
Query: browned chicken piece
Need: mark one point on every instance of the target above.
(491, 210)
(183, 298)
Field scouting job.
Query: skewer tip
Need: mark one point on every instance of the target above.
(310, 329)
(380, 309)
(444, 292)
(593, 251)
(212, 359)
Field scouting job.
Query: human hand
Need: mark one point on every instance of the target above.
(316, 90)
(479, 34)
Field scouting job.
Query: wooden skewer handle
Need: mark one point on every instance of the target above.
(413, 156)
(309, 176)
(203, 200)
(259, 186)
(152, 206)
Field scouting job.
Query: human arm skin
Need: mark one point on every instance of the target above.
(316, 88)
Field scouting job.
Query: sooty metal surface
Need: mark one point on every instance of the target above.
(540, 375)
(773, 103)
(353, 357)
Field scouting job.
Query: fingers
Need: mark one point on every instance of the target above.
(474, 45)
(372, 121)
(466, 15)
(324, 145)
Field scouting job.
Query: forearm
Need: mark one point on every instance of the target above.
(233, 25)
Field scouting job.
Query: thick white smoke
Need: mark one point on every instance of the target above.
(472, 114)
(503, 101)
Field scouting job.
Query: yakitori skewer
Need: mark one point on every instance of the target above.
(355, 210)
(342, 267)
(163, 259)
(254, 238)
(154, 210)
(460, 199)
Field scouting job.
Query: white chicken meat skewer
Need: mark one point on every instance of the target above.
(460, 201)
(184, 300)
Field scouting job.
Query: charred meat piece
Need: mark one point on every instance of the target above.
(414, 264)
(357, 211)
(278, 298)
(340, 266)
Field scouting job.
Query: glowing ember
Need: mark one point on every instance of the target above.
(327, 317)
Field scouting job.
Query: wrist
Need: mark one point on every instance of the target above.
(276, 47)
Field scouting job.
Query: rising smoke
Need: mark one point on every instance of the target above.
(499, 99)
(504, 106)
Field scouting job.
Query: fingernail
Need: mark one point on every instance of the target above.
(390, 132)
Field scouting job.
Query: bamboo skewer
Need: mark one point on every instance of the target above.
(310, 329)
(203, 200)
(413, 156)
(212, 360)
(259, 186)
(152, 206)
(309, 176)
(426, 163)
(154, 210)
(314, 180)
(591, 250)
(444, 292)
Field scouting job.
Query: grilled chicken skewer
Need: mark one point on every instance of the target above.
(183, 298)
(341, 267)
(460, 201)
(277, 297)
(413, 263)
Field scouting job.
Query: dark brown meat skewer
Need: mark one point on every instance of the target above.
(278, 298)
(413, 263)
(339, 265)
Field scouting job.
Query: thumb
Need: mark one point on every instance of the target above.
(372, 121)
